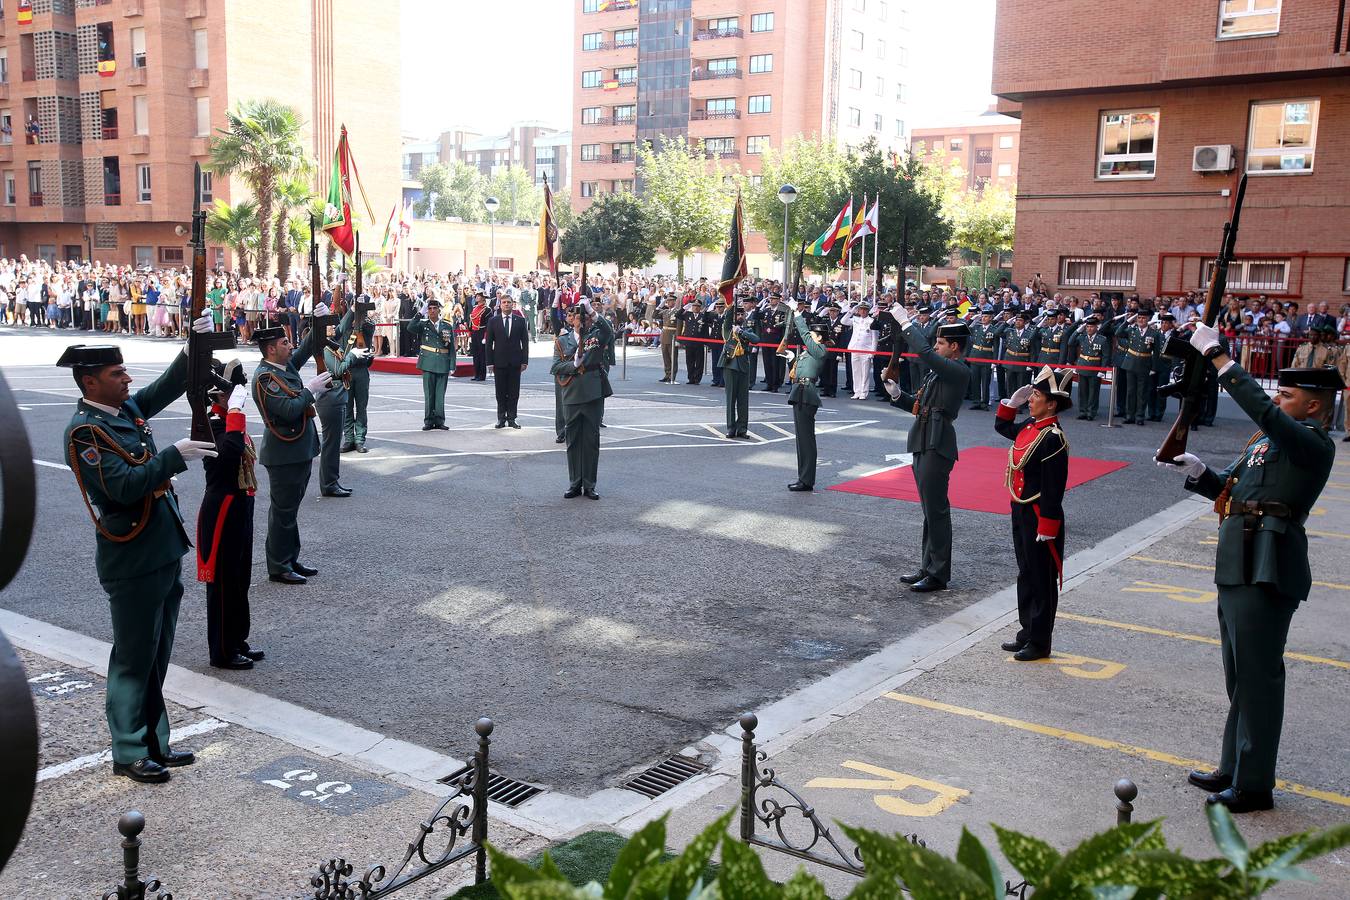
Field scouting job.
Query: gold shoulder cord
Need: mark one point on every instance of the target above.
(262, 406)
(1026, 457)
(100, 438)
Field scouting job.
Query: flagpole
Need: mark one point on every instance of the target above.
(876, 243)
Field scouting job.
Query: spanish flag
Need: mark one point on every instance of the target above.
(733, 263)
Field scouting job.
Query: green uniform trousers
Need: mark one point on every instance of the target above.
(931, 475)
(286, 489)
(332, 410)
(1016, 377)
(804, 424)
(144, 618)
(1089, 395)
(1253, 625)
(583, 443)
(559, 420)
(358, 399)
(738, 401)
(1136, 396)
(433, 397)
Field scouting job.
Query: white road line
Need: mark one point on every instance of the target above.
(80, 763)
(50, 465)
(779, 429)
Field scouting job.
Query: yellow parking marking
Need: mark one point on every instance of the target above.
(1335, 534)
(1197, 638)
(1104, 744)
(1172, 592)
(1185, 565)
(1082, 666)
(888, 780)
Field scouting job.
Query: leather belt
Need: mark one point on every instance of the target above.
(1258, 508)
(1015, 353)
(428, 349)
(1090, 358)
(1139, 353)
(805, 381)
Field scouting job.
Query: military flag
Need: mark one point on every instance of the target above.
(734, 267)
(548, 233)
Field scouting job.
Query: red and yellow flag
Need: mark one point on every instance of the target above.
(337, 211)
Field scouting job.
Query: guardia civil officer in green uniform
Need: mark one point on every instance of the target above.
(140, 541)
(1140, 345)
(984, 336)
(435, 340)
(332, 411)
(358, 376)
(804, 396)
(1020, 344)
(285, 402)
(738, 362)
(1261, 565)
(932, 439)
(1090, 347)
(580, 370)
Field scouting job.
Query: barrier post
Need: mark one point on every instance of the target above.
(624, 375)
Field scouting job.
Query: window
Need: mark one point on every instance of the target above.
(34, 181)
(1129, 144)
(725, 64)
(855, 40)
(761, 63)
(625, 113)
(1248, 18)
(855, 79)
(142, 183)
(757, 144)
(854, 116)
(984, 156)
(626, 75)
(900, 92)
(761, 22)
(11, 192)
(1281, 136)
(876, 122)
(199, 57)
(1005, 170)
(902, 56)
(590, 115)
(725, 25)
(881, 49)
(590, 6)
(719, 146)
(860, 5)
(957, 143)
(208, 195)
(882, 11)
(623, 186)
(588, 189)
(899, 127)
(760, 103)
(140, 114)
(758, 180)
(625, 151)
(6, 126)
(1095, 272)
(138, 48)
(1345, 285)
(591, 41)
(203, 116)
(590, 152)
(881, 86)
(1005, 142)
(627, 37)
(718, 107)
(1252, 274)
(590, 78)
(170, 256)
(4, 65)
(144, 256)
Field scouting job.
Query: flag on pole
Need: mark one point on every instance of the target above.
(389, 230)
(859, 229)
(337, 211)
(869, 222)
(548, 233)
(839, 227)
(404, 226)
(733, 263)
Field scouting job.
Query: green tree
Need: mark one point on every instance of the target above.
(458, 190)
(521, 199)
(291, 194)
(563, 216)
(941, 176)
(900, 183)
(983, 223)
(613, 229)
(819, 169)
(684, 197)
(261, 144)
(237, 227)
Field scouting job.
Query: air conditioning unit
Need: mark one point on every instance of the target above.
(1213, 158)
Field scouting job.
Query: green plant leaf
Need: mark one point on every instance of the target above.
(976, 857)
(549, 890)
(1115, 892)
(1166, 870)
(1265, 854)
(1325, 841)
(1226, 835)
(687, 868)
(876, 886)
(548, 869)
(1090, 864)
(1032, 857)
(927, 875)
(742, 875)
(1282, 873)
(643, 850)
(507, 870)
(804, 886)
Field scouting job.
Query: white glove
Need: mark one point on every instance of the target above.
(363, 352)
(191, 449)
(1019, 397)
(893, 389)
(238, 398)
(899, 314)
(1188, 464)
(791, 305)
(1204, 338)
(320, 384)
(204, 324)
(1044, 537)
(321, 309)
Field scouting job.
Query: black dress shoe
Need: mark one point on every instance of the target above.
(1210, 781)
(571, 492)
(500, 425)
(731, 435)
(428, 427)
(514, 424)
(238, 661)
(175, 758)
(1240, 801)
(1012, 646)
(799, 486)
(591, 494)
(1128, 422)
(146, 771)
(602, 425)
(255, 655)
(301, 569)
(913, 579)
(560, 440)
(361, 448)
(1029, 653)
(927, 585)
(337, 492)
(441, 427)
(288, 578)
(347, 448)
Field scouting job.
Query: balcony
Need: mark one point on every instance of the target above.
(613, 45)
(199, 78)
(722, 153)
(600, 120)
(718, 33)
(704, 115)
(112, 199)
(618, 156)
(34, 199)
(110, 132)
(136, 76)
(194, 9)
(138, 144)
(706, 75)
(617, 5)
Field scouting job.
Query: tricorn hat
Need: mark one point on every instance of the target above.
(953, 330)
(1319, 378)
(79, 356)
(1056, 388)
(267, 335)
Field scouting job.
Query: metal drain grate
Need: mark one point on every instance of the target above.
(503, 790)
(665, 775)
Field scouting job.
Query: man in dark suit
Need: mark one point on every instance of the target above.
(508, 352)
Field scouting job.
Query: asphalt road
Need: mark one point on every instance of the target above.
(601, 636)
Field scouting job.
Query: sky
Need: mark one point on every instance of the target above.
(485, 65)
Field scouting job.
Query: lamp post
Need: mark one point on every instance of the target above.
(492, 203)
(788, 194)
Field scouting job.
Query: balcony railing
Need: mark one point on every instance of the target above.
(620, 156)
(714, 34)
(708, 75)
(599, 120)
(727, 153)
(112, 199)
(617, 5)
(110, 132)
(35, 199)
(612, 45)
(701, 115)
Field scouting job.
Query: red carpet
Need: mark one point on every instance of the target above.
(407, 365)
(977, 479)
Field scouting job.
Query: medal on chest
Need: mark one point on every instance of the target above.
(1257, 456)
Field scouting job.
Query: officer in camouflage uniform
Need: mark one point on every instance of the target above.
(1261, 565)
(358, 393)
(1090, 347)
(738, 370)
(984, 336)
(1020, 345)
(803, 396)
(435, 340)
(1140, 348)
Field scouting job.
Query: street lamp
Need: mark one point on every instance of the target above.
(492, 204)
(788, 194)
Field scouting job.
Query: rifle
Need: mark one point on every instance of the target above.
(201, 376)
(318, 325)
(1190, 385)
(892, 370)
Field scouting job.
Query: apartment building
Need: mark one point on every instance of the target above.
(985, 145)
(105, 105)
(544, 152)
(1130, 148)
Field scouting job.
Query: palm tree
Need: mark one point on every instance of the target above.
(236, 226)
(291, 193)
(261, 144)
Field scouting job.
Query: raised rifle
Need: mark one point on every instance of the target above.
(1190, 384)
(892, 370)
(318, 325)
(201, 376)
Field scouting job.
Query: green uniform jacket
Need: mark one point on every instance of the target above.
(436, 344)
(1290, 462)
(347, 341)
(1051, 344)
(749, 338)
(119, 489)
(809, 361)
(942, 393)
(1090, 350)
(588, 381)
(286, 407)
(1020, 346)
(1163, 364)
(1138, 348)
(984, 340)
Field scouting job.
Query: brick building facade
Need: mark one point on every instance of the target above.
(1109, 196)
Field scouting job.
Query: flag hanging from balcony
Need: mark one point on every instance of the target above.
(840, 226)
(25, 12)
(337, 211)
(733, 263)
(107, 68)
(548, 233)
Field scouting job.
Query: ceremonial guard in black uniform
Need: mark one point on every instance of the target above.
(712, 327)
(738, 367)
(1038, 473)
(984, 336)
(478, 325)
(884, 326)
(1162, 369)
(1261, 566)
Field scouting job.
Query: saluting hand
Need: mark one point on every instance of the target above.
(1204, 338)
(1019, 397)
(190, 449)
(321, 310)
